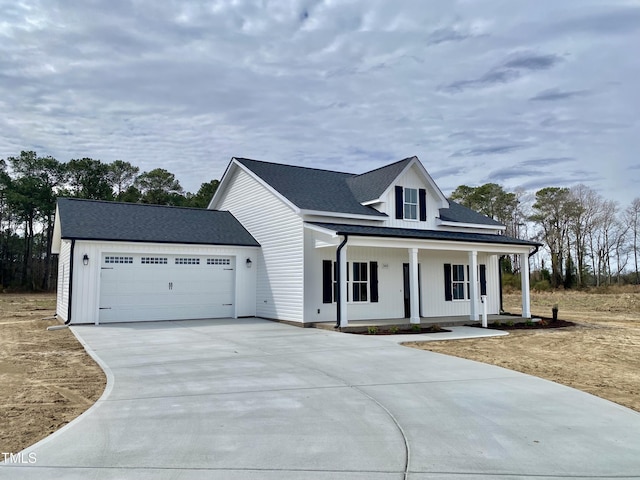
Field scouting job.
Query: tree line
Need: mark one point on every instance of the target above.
(589, 240)
(29, 187)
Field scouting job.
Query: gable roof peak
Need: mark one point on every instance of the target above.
(244, 161)
(371, 185)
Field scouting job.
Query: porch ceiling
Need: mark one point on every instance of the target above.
(388, 237)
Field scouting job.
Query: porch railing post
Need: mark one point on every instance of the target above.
(344, 317)
(473, 286)
(414, 290)
(524, 284)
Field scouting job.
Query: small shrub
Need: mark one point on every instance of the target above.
(436, 328)
(415, 327)
(542, 286)
(394, 329)
(495, 323)
(372, 330)
(529, 323)
(509, 323)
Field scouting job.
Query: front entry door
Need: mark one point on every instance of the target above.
(406, 288)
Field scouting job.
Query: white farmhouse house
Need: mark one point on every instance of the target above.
(286, 243)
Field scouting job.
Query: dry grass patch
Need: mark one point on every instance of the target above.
(599, 356)
(46, 377)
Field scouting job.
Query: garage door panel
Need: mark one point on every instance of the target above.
(146, 288)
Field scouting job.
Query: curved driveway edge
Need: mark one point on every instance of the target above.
(253, 399)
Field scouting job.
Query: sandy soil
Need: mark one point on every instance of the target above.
(601, 355)
(46, 377)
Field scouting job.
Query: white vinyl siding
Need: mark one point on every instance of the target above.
(64, 269)
(278, 229)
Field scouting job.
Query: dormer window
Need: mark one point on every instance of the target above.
(411, 203)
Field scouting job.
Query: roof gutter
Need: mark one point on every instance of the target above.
(73, 247)
(535, 250)
(338, 281)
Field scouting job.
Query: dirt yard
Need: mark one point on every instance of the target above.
(46, 377)
(601, 355)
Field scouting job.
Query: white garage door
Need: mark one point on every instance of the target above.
(139, 287)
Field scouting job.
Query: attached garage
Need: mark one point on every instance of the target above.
(139, 287)
(121, 262)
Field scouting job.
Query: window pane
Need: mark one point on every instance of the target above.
(458, 291)
(410, 211)
(458, 273)
(363, 292)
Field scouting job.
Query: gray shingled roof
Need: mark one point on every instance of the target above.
(367, 231)
(461, 214)
(311, 188)
(134, 222)
(371, 185)
(339, 192)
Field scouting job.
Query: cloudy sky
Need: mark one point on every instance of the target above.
(522, 93)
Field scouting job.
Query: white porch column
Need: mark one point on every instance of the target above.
(524, 285)
(344, 320)
(473, 286)
(414, 286)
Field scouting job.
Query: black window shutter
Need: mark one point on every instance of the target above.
(422, 204)
(327, 281)
(399, 202)
(373, 279)
(448, 295)
(483, 279)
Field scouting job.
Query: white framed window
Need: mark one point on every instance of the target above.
(218, 261)
(459, 282)
(154, 260)
(187, 261)
(360, 282)
(111, 259)
(411, 203)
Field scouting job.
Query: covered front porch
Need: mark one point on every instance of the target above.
(358, 326)
(413, 277)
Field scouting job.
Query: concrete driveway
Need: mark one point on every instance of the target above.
(253, 399)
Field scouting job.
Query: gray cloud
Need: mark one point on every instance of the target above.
(343, 85)
(499, 176)
(532, 62)
(509, 71)
(488, 150)
(555, 94)
(540, 162)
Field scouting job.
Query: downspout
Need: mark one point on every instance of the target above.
(338, 281)
(73, 246)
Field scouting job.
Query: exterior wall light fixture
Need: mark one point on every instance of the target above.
(249, 263)
(85, 259)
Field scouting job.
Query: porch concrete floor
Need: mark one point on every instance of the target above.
(461, 320)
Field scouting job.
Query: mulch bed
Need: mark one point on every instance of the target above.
(401, 331)
(543, 324)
